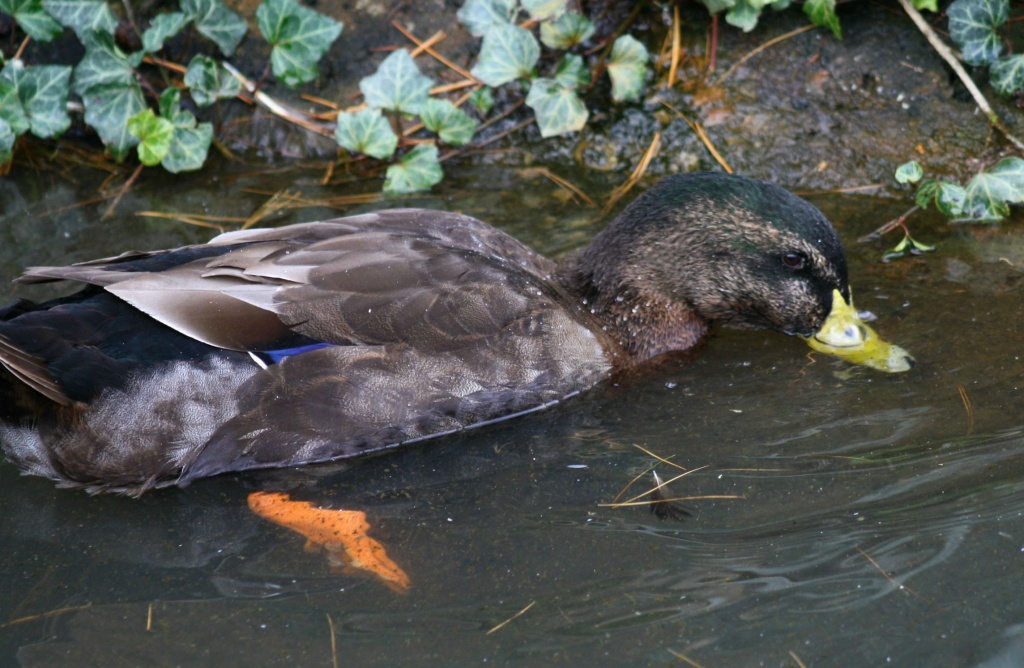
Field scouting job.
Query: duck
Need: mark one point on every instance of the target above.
(313, 342)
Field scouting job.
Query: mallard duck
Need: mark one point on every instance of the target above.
(319, 341)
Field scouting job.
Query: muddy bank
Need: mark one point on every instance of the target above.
(811, 112)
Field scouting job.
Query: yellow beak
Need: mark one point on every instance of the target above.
(846, 336)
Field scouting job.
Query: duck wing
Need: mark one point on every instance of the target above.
(431, 279)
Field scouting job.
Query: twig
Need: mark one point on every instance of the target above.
(683, 657)
(769, 43)
(121, 192)
(149, 618)
(947, 54)
(796, 658)
(279, 109)
(334, 642)
(898, 221)
(427, 49)
(44, 615)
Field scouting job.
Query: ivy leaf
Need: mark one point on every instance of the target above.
(482, 100)
(368, 132)
(397, 85)
(508, 53)
(104, 63)
(82, 16)
(190, 146)
(418, 170)
(566, 31)
(744, 14)
(35, 98)
(7, 138)
(154, 134)
(990, 192)
(926, 192)
(216, 22)
(541, 10)
(163, 27)
(909, 172)
(571, 72)
(823, 13)
(108, 108)
(300, 37)
(972, 25)
(949, 198)
(11, 111)
(208, 81)
(559, 109)
(479, 15)
(452, 125)
(930, 5)
(32, 18)
(715, 6)
(1007, 74)
(627, 68)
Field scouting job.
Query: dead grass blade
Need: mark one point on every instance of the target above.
(768, 44)
(635, 177)
(507, 621)
(896, 583)
(967, 406)
(699, 130)
(683, 657)
(45, 615)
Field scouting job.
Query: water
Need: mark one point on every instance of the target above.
(876, 522)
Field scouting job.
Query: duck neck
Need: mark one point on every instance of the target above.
(643, 324)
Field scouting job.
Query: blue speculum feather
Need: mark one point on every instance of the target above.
(275, 356)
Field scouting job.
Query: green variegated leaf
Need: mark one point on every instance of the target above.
(190, 146)
(541, 10)
(208, 81)
(300, 37)
(11, 110)
(163, 27)
(627, 68)
(990, 192)
(559, 109)
(1007, 74)
(572, 73)
(479, 15)
(566, 31)
(926, 193)
(744, 14)
(397, 85)
(949, 198)
(823, 13)
(42, 93)
(930, 5)
(32, 18)
(7, 138)
(216, 22)
(909, 172)
(368, 132)
(452, 125)
(482, 100)
(82, 16)
(418, 170)
(508, 53)
(107, 109)
(103, 64)
(972, 25)
(154, 135)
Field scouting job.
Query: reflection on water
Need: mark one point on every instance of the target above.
(877, 519)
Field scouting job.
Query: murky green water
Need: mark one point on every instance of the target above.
(877, 521)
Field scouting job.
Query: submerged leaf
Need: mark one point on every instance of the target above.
(909, 172)
(300, 37)
(479, 15)
(566, 31)
(216, 22)
(558, 108)
(1007, 74)
(32, 18)
(627, 68)
(397, 85)
(208, 81)
(508, 53)
(418, 170)
(452, 125)
(972, 25)
(823, 13)
(366, 131)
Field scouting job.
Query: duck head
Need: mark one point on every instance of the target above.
(743, 252)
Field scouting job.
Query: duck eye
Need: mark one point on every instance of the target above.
(794, 260)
